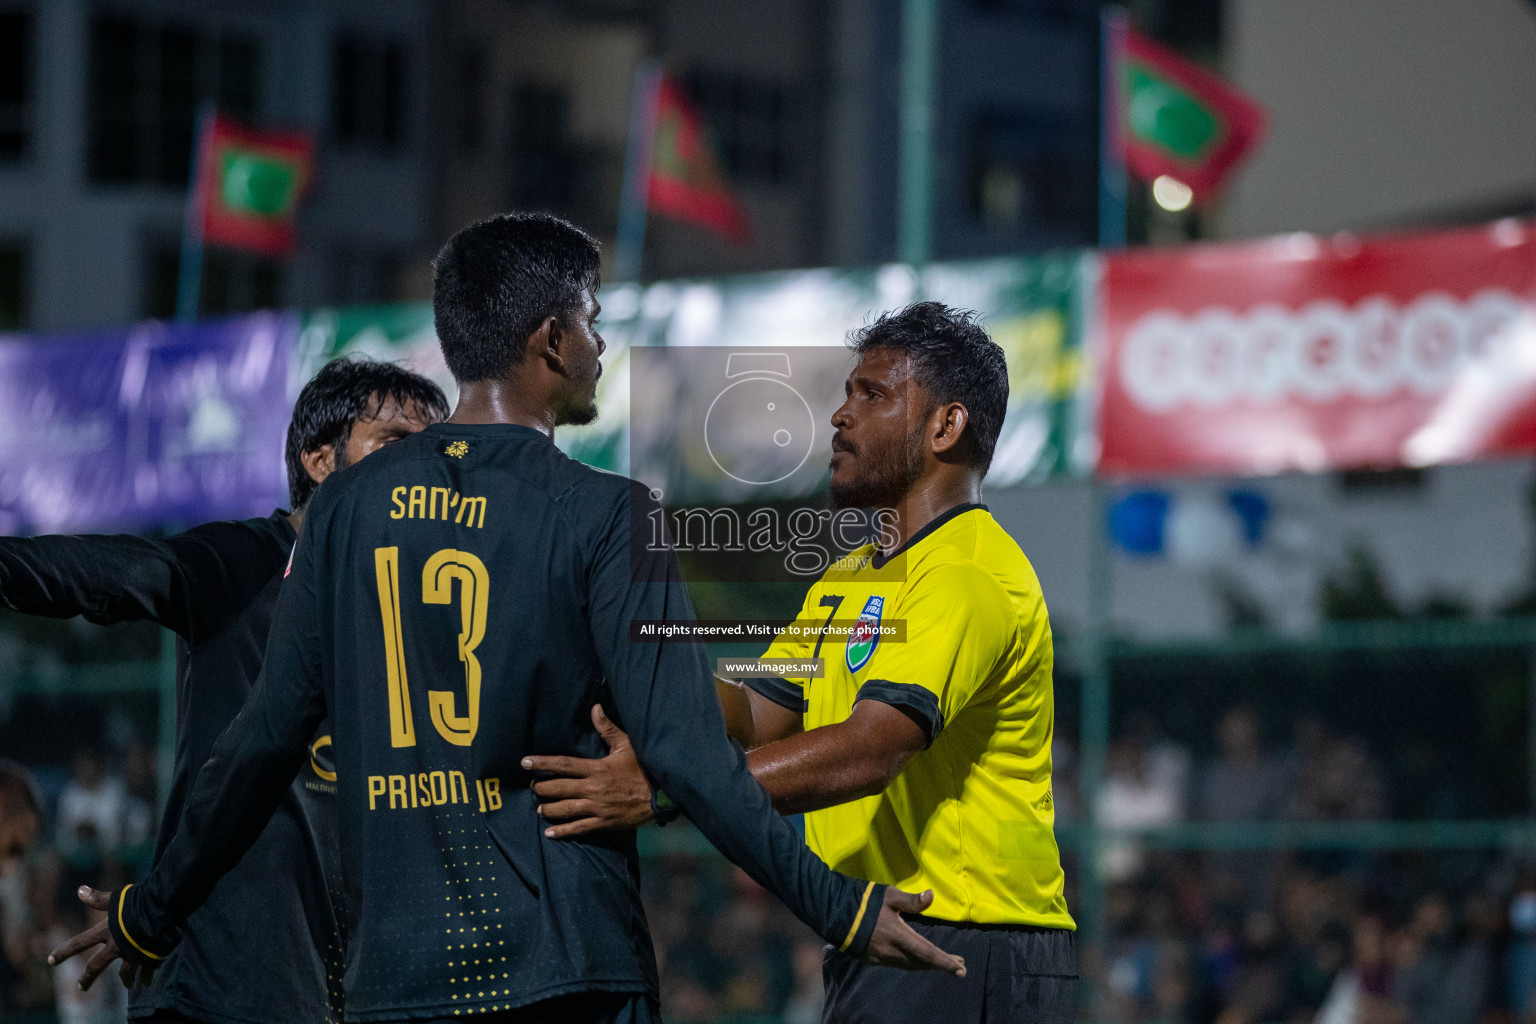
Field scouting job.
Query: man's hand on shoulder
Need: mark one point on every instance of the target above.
(588, 795)
(98, 935)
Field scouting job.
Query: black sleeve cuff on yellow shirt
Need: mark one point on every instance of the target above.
(781, 691)
(132, 942)
(918, 702)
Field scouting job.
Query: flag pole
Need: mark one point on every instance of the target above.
(919, 59)
(189, 282)
(1112, 173)
(1097, 690)
(629, 247)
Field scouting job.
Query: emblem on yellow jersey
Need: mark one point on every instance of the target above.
(458, 449)
(865, 635)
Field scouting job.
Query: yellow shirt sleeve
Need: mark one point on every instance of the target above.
(960, 625)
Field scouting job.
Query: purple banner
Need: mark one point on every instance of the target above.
(158, 425)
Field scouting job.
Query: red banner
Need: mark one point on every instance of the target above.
(1303, 353)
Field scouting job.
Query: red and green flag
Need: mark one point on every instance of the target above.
(686, 181)
(249, 184)
(1179, 120)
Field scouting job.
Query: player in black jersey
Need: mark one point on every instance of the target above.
(216, 587)
(457, 603)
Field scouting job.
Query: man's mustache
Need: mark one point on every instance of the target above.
(841, 445)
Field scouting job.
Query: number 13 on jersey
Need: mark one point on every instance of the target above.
(437, 579)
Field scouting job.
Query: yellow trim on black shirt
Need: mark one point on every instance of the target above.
(122, 897)
(857, 918)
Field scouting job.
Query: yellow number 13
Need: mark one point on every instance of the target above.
(437, 578)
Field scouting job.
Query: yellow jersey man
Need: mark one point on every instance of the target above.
(925, 763)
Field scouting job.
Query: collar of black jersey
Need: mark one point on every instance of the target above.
(446, 429)
(880, 558)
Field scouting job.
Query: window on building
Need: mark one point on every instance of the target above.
(1063, 12)
(749, 121)
(542, 154)
(13, 286)
(1194, 26)
(232, 282)
(472, 74)
(1032, 169)
(368, 93)
(147, 81)
(15, 84)
(549, 167)
(360, 275)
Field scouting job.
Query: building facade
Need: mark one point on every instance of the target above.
(98, 99)
(803, 109)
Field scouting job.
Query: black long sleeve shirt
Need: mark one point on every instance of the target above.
(458, 601)
(216, 587)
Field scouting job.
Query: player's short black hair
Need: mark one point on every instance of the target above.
(17, 790)
(954, 360)
(497, 280)
(344, 391)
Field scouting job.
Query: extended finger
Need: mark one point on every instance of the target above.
(573, 766)
(95, 965)
(96, 899)
(573, 828)
(566, 810)
(128, 972)
(560, 789)
(78, 943)
(921, 953)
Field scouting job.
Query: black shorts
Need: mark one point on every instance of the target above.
(576, 1008)
(1013, 975)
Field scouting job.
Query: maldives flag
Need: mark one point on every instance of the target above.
(686, 181)
(249, 184)
(1178, 119)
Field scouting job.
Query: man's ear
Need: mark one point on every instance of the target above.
(545, 343)
(947, 426)
(320, 462)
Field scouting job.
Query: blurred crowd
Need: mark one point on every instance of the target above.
(1225, 937)
(99, 831)
(726, 949)
(1333, 936)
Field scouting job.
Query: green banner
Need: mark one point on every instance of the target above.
(1033, 307)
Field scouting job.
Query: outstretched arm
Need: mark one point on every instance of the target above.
(251, 767)
(187, 583)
